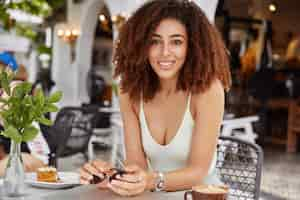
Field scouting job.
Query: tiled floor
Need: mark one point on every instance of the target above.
(280, 178)
(281, 174)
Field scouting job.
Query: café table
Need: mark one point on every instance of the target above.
(88, 192)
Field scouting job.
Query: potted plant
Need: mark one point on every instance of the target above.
(19, 109)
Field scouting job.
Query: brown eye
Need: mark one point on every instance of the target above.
(177, 42)
(154, 42)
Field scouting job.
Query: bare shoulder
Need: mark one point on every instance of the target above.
(213, 96)
(127, 103)
(215, 91)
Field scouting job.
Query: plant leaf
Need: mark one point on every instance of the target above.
(10, 77)
(29, 133)
(12, 133)
(28, 101)
(55, 97)
(44, 121)
(22, 89)
(50, 108)
(2, 100)
(40, 97)
(5, 83)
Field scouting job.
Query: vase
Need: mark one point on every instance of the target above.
(14, 176)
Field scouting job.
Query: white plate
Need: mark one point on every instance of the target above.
(67, 179)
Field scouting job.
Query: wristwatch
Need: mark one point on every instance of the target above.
(159, 182)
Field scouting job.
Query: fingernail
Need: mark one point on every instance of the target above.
(101, 175)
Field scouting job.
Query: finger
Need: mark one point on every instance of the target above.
(85, 174)
(129, 178)
(126, 192)
(103, 184)
(101, 165)
(118, 190)
(92, 170)
(126, 185)
(25, 162)
(132, 168)
(84, 181)
(28, 167)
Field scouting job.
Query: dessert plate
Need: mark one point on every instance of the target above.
(66, 180)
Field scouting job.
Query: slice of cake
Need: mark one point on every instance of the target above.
(47, 174)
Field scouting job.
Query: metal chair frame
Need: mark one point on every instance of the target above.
(70, 123)
(239, 164)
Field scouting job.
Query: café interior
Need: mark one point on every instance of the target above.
(72, 52)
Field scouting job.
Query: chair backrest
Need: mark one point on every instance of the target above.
(71, 132)
(101, 119)
(239, 164)
(57, 134)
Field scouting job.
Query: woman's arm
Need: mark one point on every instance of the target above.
(135, 180)
(209, 108)
(132, 136)
(133, 145)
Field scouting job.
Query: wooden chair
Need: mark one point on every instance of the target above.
(293, 125)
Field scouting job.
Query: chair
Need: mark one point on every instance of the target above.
(239, 164)
(70, 133)
(230, 127)
(293, 125)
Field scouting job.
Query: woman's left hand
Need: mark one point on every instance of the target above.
(132, 183)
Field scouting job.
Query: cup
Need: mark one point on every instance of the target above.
(207, 192)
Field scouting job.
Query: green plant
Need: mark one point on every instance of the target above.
(41, 8)
(43, 49)
(20, 109)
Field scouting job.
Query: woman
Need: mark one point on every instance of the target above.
(174, 69)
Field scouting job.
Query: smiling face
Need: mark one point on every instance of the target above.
(168, 49)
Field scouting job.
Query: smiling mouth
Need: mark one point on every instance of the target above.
(165, 65)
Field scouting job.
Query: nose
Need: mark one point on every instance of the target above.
(166, 49)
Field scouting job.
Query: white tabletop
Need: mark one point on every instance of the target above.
(31, 193)
(87, 192)
(90, 192)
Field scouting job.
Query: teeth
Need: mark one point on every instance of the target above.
(165, 63)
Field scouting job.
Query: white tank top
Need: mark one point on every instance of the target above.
(174, 155)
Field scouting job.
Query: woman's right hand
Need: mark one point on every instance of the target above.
(96, 167)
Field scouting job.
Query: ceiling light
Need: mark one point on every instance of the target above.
(272, 8)
(102, 18)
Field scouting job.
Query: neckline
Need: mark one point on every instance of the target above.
(178, 130)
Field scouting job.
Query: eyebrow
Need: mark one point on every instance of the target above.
(172, 36)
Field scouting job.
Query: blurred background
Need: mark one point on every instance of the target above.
(67, 45)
